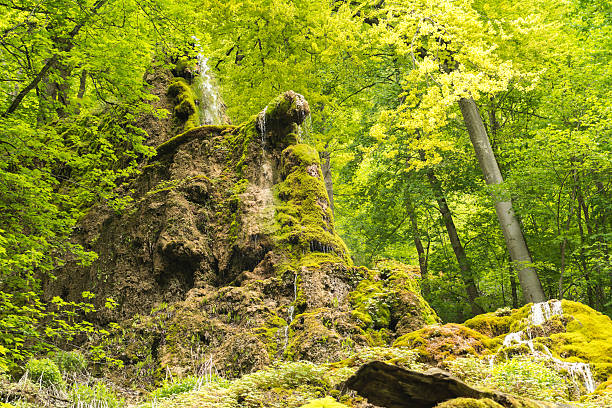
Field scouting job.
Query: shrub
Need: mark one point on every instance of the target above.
(45, 372)
(70, 361)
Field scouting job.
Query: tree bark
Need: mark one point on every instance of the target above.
(513, 235)
(583, 262)
(419, 247)
(515, 303)
(464, 264)
(327, 176)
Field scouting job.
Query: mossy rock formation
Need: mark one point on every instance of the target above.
(230, 250)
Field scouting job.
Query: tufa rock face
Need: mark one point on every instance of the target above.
(229, 252)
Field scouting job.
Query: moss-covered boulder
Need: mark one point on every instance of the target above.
(390, 298)
(580, 334)
(469, 403)
(439, 344)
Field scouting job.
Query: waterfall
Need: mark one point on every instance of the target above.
(261, 126)
(210, 104)
(209, 101)
(540, 313)
(290, 311)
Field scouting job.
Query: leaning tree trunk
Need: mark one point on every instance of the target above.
(517, 247)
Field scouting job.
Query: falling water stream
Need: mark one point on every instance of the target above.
(210, 106)
(540, 313)
(261, 125)
(290, 311)
(209, 101)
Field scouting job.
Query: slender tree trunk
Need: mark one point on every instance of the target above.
(562, 268)
(464, 264)
(583, 262)
(327, 176)
(419, 247)
(515, 303)
(515, 241)
(597, 287)
(564, 242)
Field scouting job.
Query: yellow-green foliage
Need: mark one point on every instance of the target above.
(282, 385)
(96, 395)
(286, 385)
(588, 338)
(469, 403)
(183, 98)
(303, 213)
(327, 402)
(70, 361)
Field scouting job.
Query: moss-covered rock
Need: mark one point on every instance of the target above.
(327, 402)
(581, 334)
(588, 338)
(229, 257)
(185, 109)
(389, 298)
(303, 213)
(469, 403)
(278, 124)
(438, 344)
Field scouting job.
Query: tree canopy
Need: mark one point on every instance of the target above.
(383, 79)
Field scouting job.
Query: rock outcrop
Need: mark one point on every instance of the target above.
(229, 251)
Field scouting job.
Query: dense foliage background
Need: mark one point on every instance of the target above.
(382, 78)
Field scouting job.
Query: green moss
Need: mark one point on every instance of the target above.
(378, 338)
(303, 214)
(500, 322)
(372, 304)
(183, 98)
(588, 338)
(327, 402)
(439, 343)
(201, 132)
(390, 298)
(312, 332)
(299, 155)
(490, 324)
(469, 403)
(70, 361)
(269, 333)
